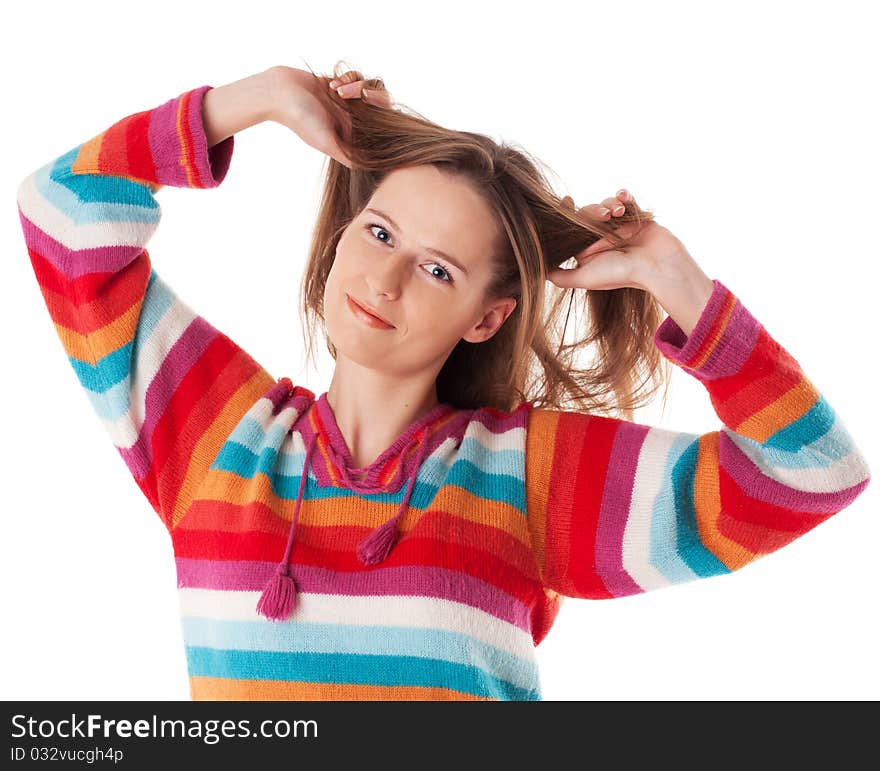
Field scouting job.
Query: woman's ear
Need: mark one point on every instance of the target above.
(492, 320)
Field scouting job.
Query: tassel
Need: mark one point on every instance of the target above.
(377, 545)
(279, 595)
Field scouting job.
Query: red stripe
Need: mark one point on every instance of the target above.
(577, 481)
(113, 153)
(768, 374)
(69, 300)
(239, 369)
(235, 520)
(760, 527)
(409, 551)
(199, 381)
(137, 137)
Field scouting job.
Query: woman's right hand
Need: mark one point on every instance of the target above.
(315, 117)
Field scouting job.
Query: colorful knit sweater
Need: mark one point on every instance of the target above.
(488, 519)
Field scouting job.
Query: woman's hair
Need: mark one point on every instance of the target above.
(529, 357)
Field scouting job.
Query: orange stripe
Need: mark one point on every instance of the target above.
(209, 444)
(540, 445)
(225, 689)
(788, 408)
(715, 334)
(186, 150)
(88, 158)
(452, 501)
(101, 342)
(707, 505)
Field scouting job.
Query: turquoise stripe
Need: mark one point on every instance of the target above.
(831, 448)
(501, 487)
(662, 557)
(113, 369)
(239, 460)
(249, 433)
(108, 383)
(250, 450)
(687, 536)
(235, 458)
(386, 641)
(85, 197)
(351, 668)
(112, 403)
(809, 428)
(510, 462)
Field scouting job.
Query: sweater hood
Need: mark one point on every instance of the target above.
(327, 455)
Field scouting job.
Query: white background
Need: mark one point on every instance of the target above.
(750, 132)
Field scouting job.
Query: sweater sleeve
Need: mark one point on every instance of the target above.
(167, 385)
(617, 508)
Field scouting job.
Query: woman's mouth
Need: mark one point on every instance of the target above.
(364, 315)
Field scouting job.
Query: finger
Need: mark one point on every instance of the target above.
(597, 211)
(357, 90)
(614, 205)
(346, 77)
(567, 202)
(350, 89)
(563, 277)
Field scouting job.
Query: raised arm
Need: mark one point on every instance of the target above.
(166, 384)
(617, 508)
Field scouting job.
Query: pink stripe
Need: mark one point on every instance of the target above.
(175, 366)
(762, 488)
(731, 350)
(407, 580)
(614, 511)
(734, 347)
(68, 262)
(165, 145)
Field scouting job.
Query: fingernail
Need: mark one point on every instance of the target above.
(365, 92)
(334, 83)
(603, 211)
(619, 209)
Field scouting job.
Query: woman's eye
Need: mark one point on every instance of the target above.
(370, 227)
(448, 278)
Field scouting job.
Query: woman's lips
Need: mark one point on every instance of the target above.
(366, 317)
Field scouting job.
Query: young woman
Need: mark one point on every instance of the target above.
(412, 532)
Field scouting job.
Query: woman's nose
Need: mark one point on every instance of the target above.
(387, 276)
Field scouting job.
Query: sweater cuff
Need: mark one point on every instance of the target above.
(180, 147)
(720, 342)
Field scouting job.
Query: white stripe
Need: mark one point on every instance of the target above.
(60, 226)
(151, 355)
(512, 439)
(647, 485)
(388, 610)
(787, 467)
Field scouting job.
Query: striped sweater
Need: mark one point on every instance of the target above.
(502, 514)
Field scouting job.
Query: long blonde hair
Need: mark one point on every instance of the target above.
(529, 357)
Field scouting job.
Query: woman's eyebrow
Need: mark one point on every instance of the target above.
(436, 252)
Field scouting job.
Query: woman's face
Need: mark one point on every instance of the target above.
(383, 261)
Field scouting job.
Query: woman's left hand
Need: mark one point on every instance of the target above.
(654, 253)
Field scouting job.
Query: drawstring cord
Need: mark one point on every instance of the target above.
(279, 595)
(278, 598)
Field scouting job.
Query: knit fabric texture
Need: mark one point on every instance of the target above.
(510, 512)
